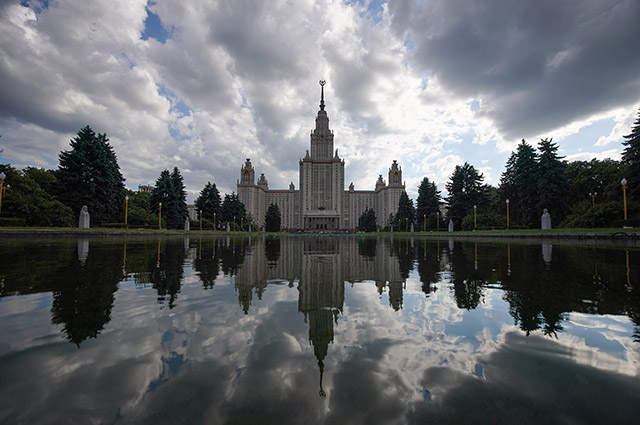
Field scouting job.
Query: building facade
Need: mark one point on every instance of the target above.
(321, 202)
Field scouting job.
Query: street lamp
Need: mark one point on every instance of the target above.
(593, 198)
(424, 223)
(438, 221)
(160, 215)
(2, 177)
(623, 182)
(214, 222)
(126, 209)
(200, 219)
(475, 217)
(507, 202)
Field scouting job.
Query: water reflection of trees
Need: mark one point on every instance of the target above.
(82, 281)
(541, 284)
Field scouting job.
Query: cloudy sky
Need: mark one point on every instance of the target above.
(204, 84)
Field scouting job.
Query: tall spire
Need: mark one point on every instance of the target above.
(322, 83)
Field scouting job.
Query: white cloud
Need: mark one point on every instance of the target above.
(237, 80)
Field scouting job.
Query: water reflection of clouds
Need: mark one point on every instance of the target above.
(205, 361)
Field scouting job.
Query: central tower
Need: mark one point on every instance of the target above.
(321, 177)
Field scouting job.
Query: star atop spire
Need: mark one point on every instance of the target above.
(322, 83)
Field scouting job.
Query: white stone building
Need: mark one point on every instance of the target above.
(321, 202)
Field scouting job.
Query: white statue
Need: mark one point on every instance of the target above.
(546, 220)
(84, 219)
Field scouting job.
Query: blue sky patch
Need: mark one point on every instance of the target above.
(408, 41)
(585, 139)
(177, 105)
(153, 28)
(37, 6)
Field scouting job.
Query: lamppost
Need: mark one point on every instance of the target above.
(475, 217)
(126, 209)
(200, 219)
(438, 221)
(593, 198)
(2, 177)
(214, 222)
(623, 182)
(234, 223)
(507, 202)
(424, 223)
(160, 215)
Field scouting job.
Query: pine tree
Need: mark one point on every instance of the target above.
(272, 219)
(525, 169)
(428, 201)
(209, 201)
(367, 221)
(406, 212)
(631, 156)
(465, 190)
(171, 192)
(232, 209)
(551, 177)
(179, 205)
(89, 175)
(509, 191)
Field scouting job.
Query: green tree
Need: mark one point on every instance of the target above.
(170, 191)
(367, 221)
(209, 200)
(465, 190)
(272, 219)
(631, 157)
(598, 177)
(140, 212)
(428, 201)
(406, 214)
(89, 175)
(525, 171)
(232, 209)
(26, 200)
(46, 179)
(508, 189)
(551, 176)
(179, 213)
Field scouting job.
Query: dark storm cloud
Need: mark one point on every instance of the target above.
(536, 65)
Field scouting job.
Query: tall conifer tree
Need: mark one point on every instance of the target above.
(89, 175)
(631, 156)
(465, 189)
(525, 173)
(551, 176)
(209, 201)
(428, 200)
(171, 192)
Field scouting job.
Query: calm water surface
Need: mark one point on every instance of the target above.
(306, 330)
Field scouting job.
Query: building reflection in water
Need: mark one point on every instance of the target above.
(540, 283)
(321, 267)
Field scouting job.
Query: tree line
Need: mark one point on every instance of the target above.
(88, 174)
(577, 194)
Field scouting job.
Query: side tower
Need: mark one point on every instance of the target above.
(388, 196)
(251, 195)
(321, 178)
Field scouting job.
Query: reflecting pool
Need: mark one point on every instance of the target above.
(305, 330)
